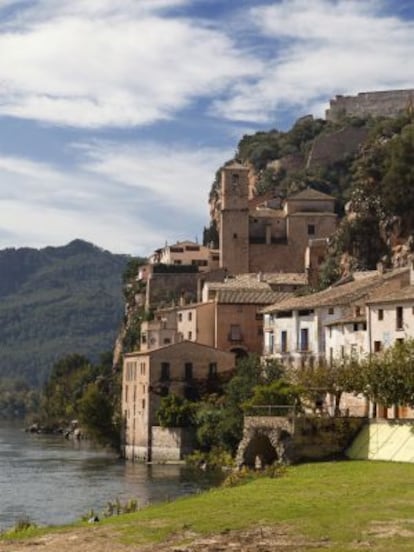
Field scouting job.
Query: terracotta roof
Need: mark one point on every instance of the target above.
(309, 194)
(251, 297)
(337, 295)
(403, 294)
(259, 281)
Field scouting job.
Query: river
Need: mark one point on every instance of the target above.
(50, 480)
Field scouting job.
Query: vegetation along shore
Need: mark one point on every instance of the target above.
(332, 506)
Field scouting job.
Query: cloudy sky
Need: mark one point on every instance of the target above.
(115, 115)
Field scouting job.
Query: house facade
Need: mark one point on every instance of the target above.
(182, 369)
(186, 253)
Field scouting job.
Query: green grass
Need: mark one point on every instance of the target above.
(343, 503)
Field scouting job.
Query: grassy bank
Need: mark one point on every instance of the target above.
(338, 506)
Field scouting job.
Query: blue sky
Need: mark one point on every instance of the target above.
(116, 115)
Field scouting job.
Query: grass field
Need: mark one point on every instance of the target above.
(335, 506)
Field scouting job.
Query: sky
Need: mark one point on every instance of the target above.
(115, 115)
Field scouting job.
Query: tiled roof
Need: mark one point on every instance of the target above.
(403, 294)
(259, 281)
(250, 296)
(337, 295)
(309, 194)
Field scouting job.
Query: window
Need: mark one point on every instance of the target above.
(143, 338)
(180, 317)
(190, 336)
(190, 316)
(259, 316)
(167, 340)
(212, 370)
(330, 356)
(143, 404)
(380, 314)
(235, 333)
(234, 178)
(283, 341)
(304, 339)
(311, 229)
(342, 351)
(126, 393)
(399, 318)
(331, 310)
(235, 236)
(355, 327)
(377, 346)
(305, 312)
(188, 371)
(357, 311)
(165, 371)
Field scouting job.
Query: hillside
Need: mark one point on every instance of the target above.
(55, 301)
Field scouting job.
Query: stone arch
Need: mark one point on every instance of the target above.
(270, 444)
(259, 448)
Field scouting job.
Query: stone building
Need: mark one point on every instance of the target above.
(384, 103)
(180, 368)
(271, 236)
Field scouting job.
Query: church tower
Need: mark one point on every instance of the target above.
(234, 219)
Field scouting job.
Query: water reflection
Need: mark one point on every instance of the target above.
(53, 481)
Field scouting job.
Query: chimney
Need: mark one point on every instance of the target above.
(380, 268)
(259, 276)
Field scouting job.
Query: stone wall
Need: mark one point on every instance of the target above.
(164, 288)
(171, 443)
(387, 103)
(295, 439)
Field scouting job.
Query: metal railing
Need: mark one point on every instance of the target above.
(281, 410)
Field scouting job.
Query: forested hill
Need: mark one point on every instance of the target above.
(55, 301)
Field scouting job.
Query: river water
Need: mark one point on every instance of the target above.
(50, 480)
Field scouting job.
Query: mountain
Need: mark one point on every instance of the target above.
(55, 301)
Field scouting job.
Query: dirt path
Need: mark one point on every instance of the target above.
(107, 539)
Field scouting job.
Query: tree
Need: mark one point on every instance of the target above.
(175, 411)
(388, 378)
(278, 393)
(342, 375)
(96, 415)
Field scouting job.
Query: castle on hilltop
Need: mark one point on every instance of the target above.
(384, 103)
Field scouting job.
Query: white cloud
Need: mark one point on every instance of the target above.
(169, 177)
(124, 198)
(322, 48)
(90, 64)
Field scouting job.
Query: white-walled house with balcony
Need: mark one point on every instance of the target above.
(315, 327)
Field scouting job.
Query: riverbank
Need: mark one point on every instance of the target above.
(333, 506)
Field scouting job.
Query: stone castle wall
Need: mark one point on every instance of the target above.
(387, 103)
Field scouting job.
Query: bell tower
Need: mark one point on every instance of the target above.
(234, 219)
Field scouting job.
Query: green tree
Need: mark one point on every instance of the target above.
(278, 393)
(175, 411)
(388, 377)
(96, 414)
